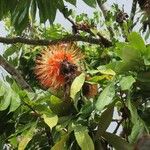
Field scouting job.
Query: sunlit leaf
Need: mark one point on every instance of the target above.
(83, 139)
(127, 82)
(50, 119)
(136, 40)
(77, 85)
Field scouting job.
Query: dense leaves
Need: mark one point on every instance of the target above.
(110, 86)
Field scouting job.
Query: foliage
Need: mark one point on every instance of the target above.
(42, 119)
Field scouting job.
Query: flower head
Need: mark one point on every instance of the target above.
(57, 65)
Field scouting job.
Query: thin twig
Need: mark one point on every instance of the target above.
(118, 125)
(45, 42)
(15, 74)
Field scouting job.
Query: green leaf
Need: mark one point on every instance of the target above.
(50, 119)
(15, 102)
(83, 139)
(117, 142)
(26, 137)
(77, 85)
(127, 82)
(105, 97)
(146, 56)
(5, 100)
(138, 124)
(136, 40)
(73, 2)
(91, 3)
(104, 121)
(60, 145)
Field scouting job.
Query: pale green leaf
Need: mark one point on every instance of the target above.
(83, 139)
(5, 100)
(77, 85)
(15, 102)
(127, 82)
(137, 41)
(50, 119)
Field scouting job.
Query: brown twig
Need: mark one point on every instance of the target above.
(15, 74)
(45, 42)
(118, 125)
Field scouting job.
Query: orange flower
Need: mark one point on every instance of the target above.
(57, 65)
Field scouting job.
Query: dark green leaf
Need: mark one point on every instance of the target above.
(105, 121)
(116, 141)
(73, 2)
(91, 3)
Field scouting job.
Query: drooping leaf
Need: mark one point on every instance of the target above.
(106, 97)
(104, 121)
(117, 142)
(138, 124)
(83, 139)
(77, 85)
(127, 82)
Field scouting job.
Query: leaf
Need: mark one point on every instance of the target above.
(60, 145)
(104, 121)
(105, 97)
(5, 100)
(117, 142)
(27, 136)
(73, 2)
(50, 119)
(15, 102)
(138, 124)
(91, 3)
(146, 56)
(83, 139)
(77, 85)
(136, 40)
(127, 82)
(107, 72)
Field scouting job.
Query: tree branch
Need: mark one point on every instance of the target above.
(44, 42)
(15, 74)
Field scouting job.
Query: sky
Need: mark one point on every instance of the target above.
(80, 8)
